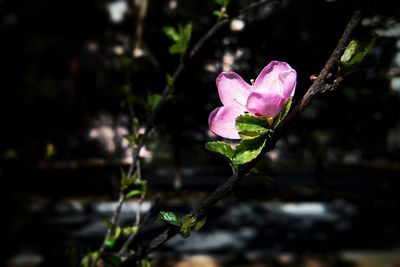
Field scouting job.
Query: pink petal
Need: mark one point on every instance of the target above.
(232, 89)
(267, 105)
(277, 77)
(288, 79)
(222, 121)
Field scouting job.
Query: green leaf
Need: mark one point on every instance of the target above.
(117, 232)
(152, 101)
(126, 181)
(170, 81)
(187, 33)
(134, 136)
(355, 52)
(247, 150)
(218, 13)
(181, 37)
(130, 230)
(110, 242)
(89, 258)
(169, 217)
(250, 127)
(188, 222)
(282, 115)
(112, 260)
(199, 224)
(133, 193)
(171, 33)
(221, 148)
(145, 263)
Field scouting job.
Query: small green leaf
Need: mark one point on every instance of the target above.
(355, 52)
(171, 33)
(110, 242)
(133, 193)
(169, 217)
(187, 34)
(199, 224)
(188, 222)
(221, 148)
(112, 260)
(170, 81)
(247, 150)
(250, 127)
(117, 232)
(127, 181)
(89, 258)
(130, 230)
(181, 38)
(152, 101)
(282, 115)
(145, 263)
(217, 13)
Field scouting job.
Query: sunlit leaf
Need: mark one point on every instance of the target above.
(250, 126)
(169, 217)
(355, 53)
(171, 33)
(133, 193)
(130, 230)
(117, 233)
(221, 148)
(110, 242)
(247, 150)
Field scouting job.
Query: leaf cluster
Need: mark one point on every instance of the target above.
(180, 36)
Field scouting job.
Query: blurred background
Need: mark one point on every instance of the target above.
(70, 70)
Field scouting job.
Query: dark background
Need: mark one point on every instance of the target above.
(68, 72)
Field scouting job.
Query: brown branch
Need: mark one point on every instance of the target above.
(319, 85)
(323, 80)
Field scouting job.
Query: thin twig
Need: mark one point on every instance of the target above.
(138, 219)
(226, 187)
(113, 222)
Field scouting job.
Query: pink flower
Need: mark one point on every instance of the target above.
(272, 88)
